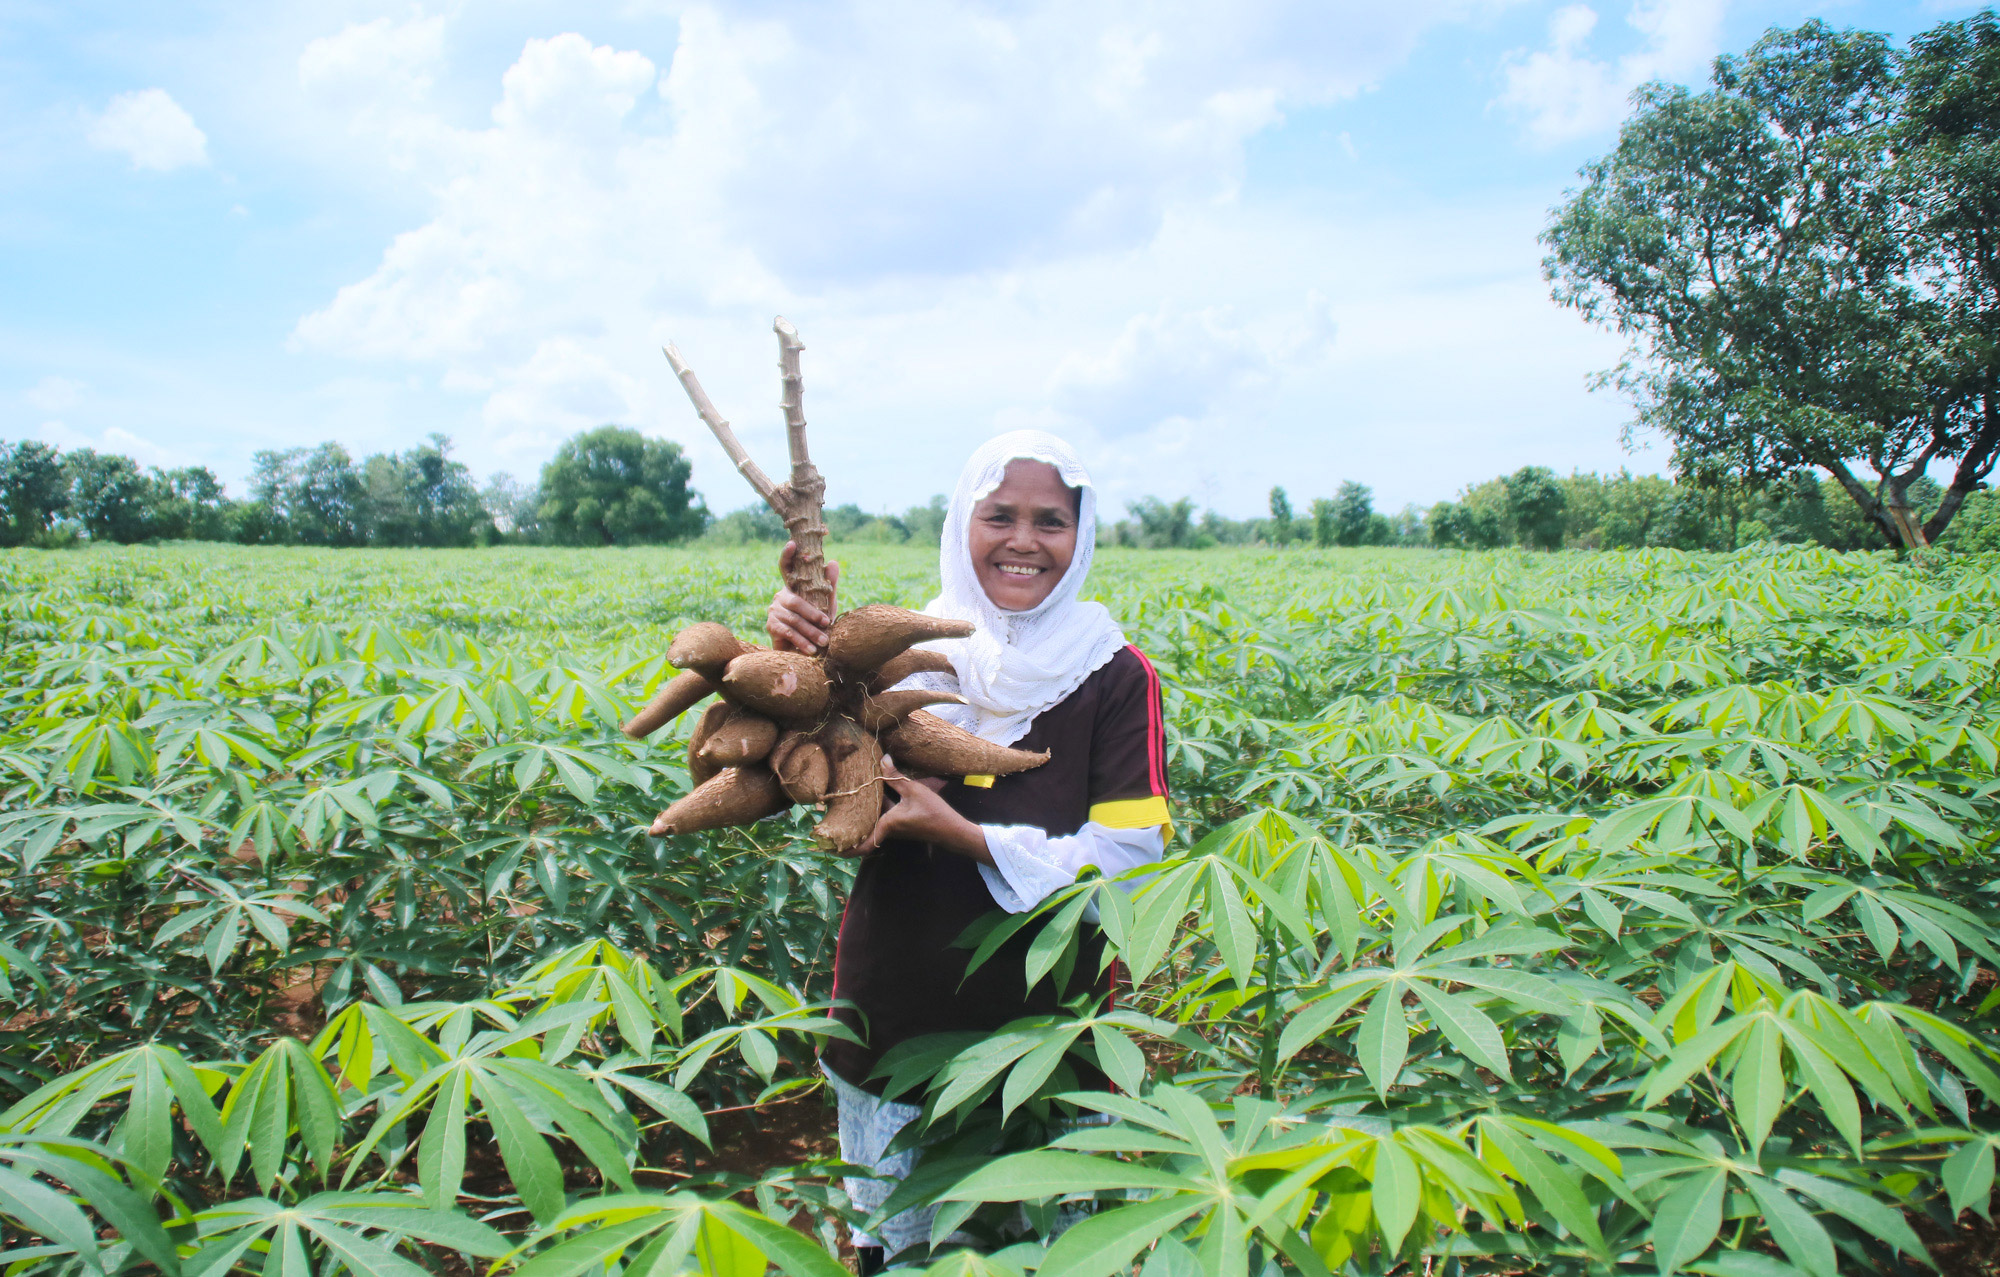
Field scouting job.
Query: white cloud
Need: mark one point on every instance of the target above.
(1168, 366)
(977, 222)
(568, 91)
(1562, 92)
(55, 394)
(561, 389)
(858, 139)
(150, 128)
(368, 59)
(789, 162)
(112, 439)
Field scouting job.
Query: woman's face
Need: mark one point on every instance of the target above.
(1023, 535)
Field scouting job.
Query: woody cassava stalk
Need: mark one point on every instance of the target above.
(792, 728)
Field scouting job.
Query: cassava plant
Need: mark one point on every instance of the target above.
(809, 729)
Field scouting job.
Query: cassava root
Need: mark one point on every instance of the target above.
(882, 713)
(743, 737)
(867, 636)
(918, 660)
(783, 685)
(678, 695)
(808, 729)
(706, 648)
(854, 803)
(800, 764)
(940, 749)
(733, 796)
(699, 768)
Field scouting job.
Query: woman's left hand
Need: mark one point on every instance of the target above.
(921, 814)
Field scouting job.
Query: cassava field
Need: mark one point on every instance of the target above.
(1603, 913)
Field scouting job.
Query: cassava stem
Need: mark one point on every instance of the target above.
(808, 489)
(799, 501)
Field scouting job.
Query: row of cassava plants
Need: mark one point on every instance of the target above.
(1597, 914)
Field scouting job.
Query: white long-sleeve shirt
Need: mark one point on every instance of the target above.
(1029, 865)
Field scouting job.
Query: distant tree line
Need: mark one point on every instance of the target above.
(1347, 518)
(1535, 508)
(615, 486)
(609, 486)
(48, 497)
(919, 525)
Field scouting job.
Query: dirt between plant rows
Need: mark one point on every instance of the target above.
(1971, 1250)
(754, 1140)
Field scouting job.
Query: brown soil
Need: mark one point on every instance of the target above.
(1971, 1250)
(294, 1007)
(752, 1141)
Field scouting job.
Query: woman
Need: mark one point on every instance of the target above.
(1044, 671)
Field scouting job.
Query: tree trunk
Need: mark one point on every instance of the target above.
(1908, 529)
(1871, 504)
(1973, 468)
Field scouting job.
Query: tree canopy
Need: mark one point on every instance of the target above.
(615, 486)
(1535, 503)
(34, 489)
(1802, 258)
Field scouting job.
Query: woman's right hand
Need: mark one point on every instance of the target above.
(793, 623)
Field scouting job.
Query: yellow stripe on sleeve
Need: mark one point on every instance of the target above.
(1133, 813)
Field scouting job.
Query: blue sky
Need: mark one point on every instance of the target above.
(1220, 246)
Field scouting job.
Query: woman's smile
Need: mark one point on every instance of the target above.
(1023, 535)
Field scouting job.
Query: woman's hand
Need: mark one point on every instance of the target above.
(922, 815)
(792, 622)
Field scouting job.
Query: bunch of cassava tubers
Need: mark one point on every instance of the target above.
(792, 728)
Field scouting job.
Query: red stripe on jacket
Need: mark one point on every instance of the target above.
(1156, 733)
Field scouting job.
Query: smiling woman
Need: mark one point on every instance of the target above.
(1023, 535)
(1042, 670)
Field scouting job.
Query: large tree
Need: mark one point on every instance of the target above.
(188, 504)
(615, 486)
(1281, 517)
(420, 497)
(1163, 525)
(1949, 167)
(34, 489)
(315, 496)
(1535, 504)
(1788, 302)
(1353, 513)
(110, 495)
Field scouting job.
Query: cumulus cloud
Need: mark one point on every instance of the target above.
(112, 439)
(1167, 366)
(367, 60)
(856, 139)
(978, 220)
(562, 388)
(534, 215)
(862, 156)
(845, 142)
(1562, 92)
(151, 129)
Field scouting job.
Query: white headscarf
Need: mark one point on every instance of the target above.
(1018, 663)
